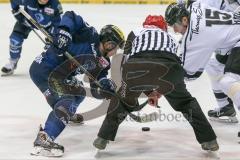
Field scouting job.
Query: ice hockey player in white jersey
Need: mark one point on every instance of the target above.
(225, 111)
(200, 25)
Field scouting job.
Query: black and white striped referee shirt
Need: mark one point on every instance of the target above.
(150, 39)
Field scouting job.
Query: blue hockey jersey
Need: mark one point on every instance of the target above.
(84, 47)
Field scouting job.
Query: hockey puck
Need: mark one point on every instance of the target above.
(238, 134)
(145, 129)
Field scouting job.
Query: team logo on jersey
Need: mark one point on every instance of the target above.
(39, 17)
(48, 11)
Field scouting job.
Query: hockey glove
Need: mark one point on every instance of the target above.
(18, 15)
(62, 41)
(108, 86)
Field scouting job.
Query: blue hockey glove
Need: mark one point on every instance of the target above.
(107, 84)
(62, 41)
(18, 15)
(108, 87)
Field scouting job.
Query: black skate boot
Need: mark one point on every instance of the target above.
(226, 114)
(210, 146)
(76, 119)
(100, 143)
(9, 68)
(44, 146)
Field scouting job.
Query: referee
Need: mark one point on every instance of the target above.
(152, 67)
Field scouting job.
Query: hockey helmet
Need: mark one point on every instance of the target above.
(157, 21)
(175, 12)
(112, 33)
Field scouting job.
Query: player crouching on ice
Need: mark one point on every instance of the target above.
(153, 66)
(54, 74)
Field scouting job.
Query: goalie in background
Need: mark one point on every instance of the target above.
(45, 12)
(152, 67)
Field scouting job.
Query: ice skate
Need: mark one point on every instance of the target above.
(76, 119)
(9, 68)
(210, 145)
(226, 114)
(100, 143)
(44, 146)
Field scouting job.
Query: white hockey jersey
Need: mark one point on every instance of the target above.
(209, 29)
(227, 5)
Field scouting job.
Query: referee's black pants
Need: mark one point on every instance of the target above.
(171, 85)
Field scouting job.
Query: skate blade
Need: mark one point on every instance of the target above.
(212, 155)
(39, 151)
(6, 74)
(224, 119)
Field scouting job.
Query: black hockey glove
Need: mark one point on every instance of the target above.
(18, 15)
(108, 87)
(62, 41)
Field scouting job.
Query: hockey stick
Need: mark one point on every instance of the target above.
(39, 36)
(141, 119)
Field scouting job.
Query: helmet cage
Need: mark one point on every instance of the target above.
(109, 33)
(175, 12)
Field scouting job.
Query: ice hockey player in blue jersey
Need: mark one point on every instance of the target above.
(52, 72)
(45, 12)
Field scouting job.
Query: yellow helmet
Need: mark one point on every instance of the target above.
(112, 33)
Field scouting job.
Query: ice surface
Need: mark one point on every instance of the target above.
(23, 107)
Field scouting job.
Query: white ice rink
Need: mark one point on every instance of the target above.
(23, 107)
